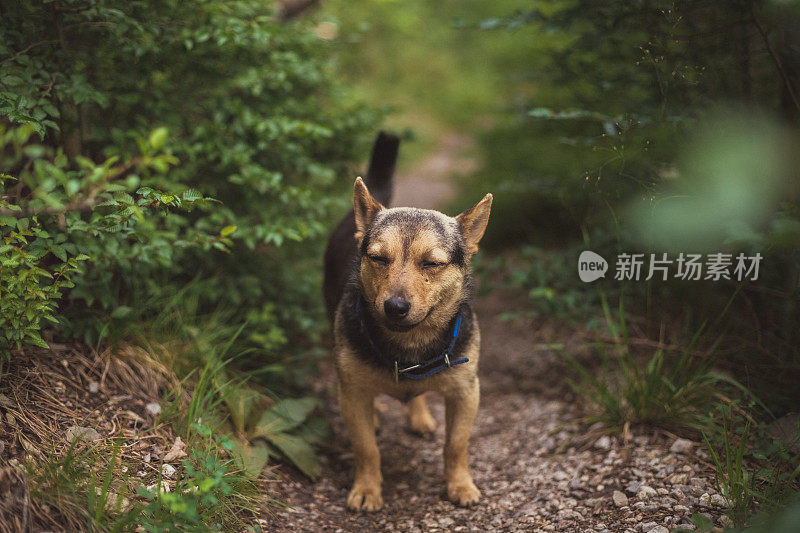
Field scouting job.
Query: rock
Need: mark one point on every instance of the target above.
(603, 443)
(718, 500)
(649, 526)
(680, 509)
(620, 500)
(5, 401)
(82, 433)
(632, 487)
(167, 470)
(703, 500)
(725, 521)
(94, 387)
(659, 529)
(645, 492)
(153, 408)
(679, 479)
(114, 501)
(681, 446)
(446, 522)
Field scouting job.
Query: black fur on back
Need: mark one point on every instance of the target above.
(341, 251)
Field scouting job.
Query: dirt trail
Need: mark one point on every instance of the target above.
(538, 468)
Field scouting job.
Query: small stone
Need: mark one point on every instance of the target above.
(153, 408)
(681, 446)
(680, 509)
(703, 500)
(620, 500)
(446, 522)
(5, 401)
(725, 521)
(649, 526)
(603, 443)
(679, 479)
(645, 492)
(167, 470)
(94, 387)
(659, 529)
(632, 487)
(147, 458)
(718, 500)
(82, 433)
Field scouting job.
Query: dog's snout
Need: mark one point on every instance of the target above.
(396, 308)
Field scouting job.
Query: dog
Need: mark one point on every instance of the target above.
(398, 287)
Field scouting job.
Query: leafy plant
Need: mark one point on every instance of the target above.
(754, 471)
(249, 107)
(53, 216)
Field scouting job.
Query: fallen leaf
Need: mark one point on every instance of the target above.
(176, 452)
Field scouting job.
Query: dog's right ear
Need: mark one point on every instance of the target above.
(364, 208)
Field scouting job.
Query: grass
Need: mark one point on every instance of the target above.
(667, 391)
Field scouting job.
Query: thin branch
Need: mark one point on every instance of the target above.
(72, 207)
(28, 49)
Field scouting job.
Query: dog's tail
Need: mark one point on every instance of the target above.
(381, 167)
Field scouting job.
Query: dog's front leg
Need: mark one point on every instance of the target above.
(358, 413)
(461, 407)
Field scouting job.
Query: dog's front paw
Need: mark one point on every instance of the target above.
(364, 498)
(463, 494)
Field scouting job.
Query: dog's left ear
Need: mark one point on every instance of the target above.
(364, 208)
(472, 223)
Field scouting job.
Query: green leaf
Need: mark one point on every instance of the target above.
(240, 402)
(227, 230)
(158, 137)
(299, 452)
(251, 459)
(121, 312)
(284, 415)
(295, 409)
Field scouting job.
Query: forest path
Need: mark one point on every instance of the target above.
(537, 465)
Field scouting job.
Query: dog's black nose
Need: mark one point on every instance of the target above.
(396, 308)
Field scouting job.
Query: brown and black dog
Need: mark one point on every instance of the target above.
(398, 287)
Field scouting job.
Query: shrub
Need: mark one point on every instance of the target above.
(241, 107)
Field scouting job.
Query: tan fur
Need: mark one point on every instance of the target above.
(434, 294)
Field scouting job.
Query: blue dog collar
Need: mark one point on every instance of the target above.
(424, 369)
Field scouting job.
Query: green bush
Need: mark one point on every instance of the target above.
(54, 218)
(241, 107)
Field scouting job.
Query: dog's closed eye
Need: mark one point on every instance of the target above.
(380, 260)
(429, 265)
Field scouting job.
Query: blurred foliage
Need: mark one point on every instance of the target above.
(656, 127)
(202, 99)
(425, 61)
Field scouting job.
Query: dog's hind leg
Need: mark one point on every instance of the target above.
(461, 406)
(418, 416)
(358, 410)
